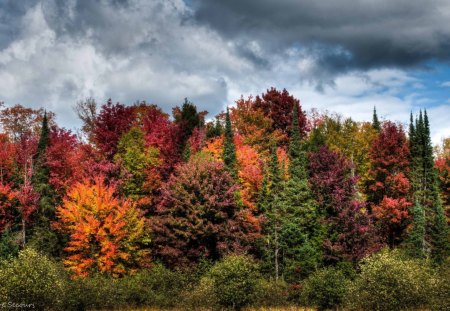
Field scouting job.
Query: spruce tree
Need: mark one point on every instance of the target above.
(426, 191)
(375, 122)
(229, 149)
(43, 238)
(416, 239)
(301, 230)
(41, 175)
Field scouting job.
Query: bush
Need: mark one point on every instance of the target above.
(234, 281)
(201, 296)
(271, 293)
(440, 294)
(32, 278)
(390, 282)
(325, 289)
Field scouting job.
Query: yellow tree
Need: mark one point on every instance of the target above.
(107, 234)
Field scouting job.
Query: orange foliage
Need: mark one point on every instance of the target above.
(106, 233)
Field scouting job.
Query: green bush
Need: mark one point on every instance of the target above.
(234, 281)
(271, 293)
(390, 282)
(325, 289)
(33, 278)
(200, 296)
(440, 293)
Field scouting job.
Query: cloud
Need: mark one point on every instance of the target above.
(344, 34)
(446, 84)
(54, 53)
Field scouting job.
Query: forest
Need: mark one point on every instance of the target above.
(264, 205)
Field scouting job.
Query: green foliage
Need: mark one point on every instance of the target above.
(32, 279)
(415, 243)
(375, 121)
(229, 148)
(136, 158)
(234, 281)
(9, 245)
(271, 293)
(157, 287)
(388, 281)
(325, 289)
(440, 292)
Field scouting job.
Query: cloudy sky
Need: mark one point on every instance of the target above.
(342, 56)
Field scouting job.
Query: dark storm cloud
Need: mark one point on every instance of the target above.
(10, 13)
(375, 33)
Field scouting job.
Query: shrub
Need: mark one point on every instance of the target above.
(389, 282)
(32, 278)
(201, 296)
(325, 288)
(158, 287)
(440, 294)
(234, 281)
(271, 293)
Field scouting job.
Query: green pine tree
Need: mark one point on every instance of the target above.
(41, 175)
(301, 230)
(42, 237)
(375, 122)
(229, 149)
(416, 240)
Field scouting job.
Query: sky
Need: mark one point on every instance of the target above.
(343, 56)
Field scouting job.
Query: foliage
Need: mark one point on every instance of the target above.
(32, 279)
(112, 121)
(350, 231)
(229, 149)
(199, 216)
(106, 233)
(389, 282)
(388, 187)
(325, 289)
(278, 106)
(234, 281)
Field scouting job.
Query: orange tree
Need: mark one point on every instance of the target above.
(107, 234)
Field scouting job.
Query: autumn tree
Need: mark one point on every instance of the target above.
(107, 234)
(137, 161)
(278, 106)
(87, 112)
(254, 125)
(162, 134)
(199, 216)
(187, 119)
(18, 121)
(8, 203)
(442, 164)
(350, 235)
(389, 188)
(112, 121)
(7, 157)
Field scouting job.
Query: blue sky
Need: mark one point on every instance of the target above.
(340, 56)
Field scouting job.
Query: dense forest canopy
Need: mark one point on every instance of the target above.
(296, 192)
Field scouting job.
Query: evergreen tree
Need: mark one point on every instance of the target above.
(41, 175)
(375, 122)
(43, 238)
(229, 149)
(426, 190)
(301, 229)
(416, 238)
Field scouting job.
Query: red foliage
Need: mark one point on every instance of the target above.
(278, 106)
(389, 189)
(350, 231)
(7, 206)
(199, 216)
(64, 159)
(163, 135)
(110, 124)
